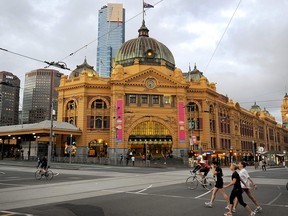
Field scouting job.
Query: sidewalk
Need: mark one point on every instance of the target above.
(76, 166)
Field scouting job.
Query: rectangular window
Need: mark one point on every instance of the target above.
(98, 121)
(132, 98)
(155, 99)
(144, 99)
(106, 122)
(92, 122)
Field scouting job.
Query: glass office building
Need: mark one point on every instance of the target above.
(111, 35)
(39, 91)
(9, 98)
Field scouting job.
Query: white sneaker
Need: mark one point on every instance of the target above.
(227, 207)
(234, 210)
(209, 204)
(258, 209)
(252, 214)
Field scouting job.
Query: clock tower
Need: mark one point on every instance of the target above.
(284, 111)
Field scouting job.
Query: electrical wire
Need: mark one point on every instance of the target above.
(218, 44)
(5, 50)
(58, 64)
(61, 64)
(108, 32)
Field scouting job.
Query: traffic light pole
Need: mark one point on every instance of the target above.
(70, 149)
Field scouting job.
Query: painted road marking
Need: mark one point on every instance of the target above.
(2, 173)
(272, 201)
(8, 213)
(144, 189)
(203, 194)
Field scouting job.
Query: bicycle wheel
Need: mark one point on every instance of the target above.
(209, 183)
(287, 186)
(38, 175)
(191, 182)
(49, 175)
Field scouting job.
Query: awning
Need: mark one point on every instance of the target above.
(280, 155)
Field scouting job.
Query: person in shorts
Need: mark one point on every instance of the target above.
(237, 191)
(246, 178)
(202, 167)
(218, 173)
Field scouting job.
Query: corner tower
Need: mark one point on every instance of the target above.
(284, 111)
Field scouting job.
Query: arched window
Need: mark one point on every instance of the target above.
(99, 119)
(98, 104)
(71, 105)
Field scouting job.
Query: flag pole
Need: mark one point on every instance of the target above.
(143, 9)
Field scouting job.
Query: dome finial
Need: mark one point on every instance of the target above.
(143, 31)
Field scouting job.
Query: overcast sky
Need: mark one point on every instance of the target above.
(249, 65)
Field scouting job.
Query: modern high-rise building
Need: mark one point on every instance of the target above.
(9, 98)
(39, 92)
(111, 35)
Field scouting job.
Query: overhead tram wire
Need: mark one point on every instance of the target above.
(218, 44)
(58, 64)
(108, 32)
(61, 64)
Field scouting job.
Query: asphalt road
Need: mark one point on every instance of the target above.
(126, 191)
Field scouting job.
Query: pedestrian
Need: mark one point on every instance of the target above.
(261, 164)
(237, 191)
(246, 178)
(133, 160)
(217, 171)
(127, 159)
(121, 159)
(264, 165)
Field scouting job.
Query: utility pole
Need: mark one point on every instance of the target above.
(51, 134)
(70, 148)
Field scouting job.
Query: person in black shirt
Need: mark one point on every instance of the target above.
(217, 171)
(43, 164)
(237, 191)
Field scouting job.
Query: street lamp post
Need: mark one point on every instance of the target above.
(254, 152)
(51, 135)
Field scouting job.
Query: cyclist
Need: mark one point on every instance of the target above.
(43, 165)
(201, 167)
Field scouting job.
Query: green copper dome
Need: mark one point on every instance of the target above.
(145, 50)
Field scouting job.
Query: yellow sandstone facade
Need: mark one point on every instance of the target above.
(148, 104)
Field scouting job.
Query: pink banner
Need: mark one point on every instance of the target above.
(181, 118)
(119, 122)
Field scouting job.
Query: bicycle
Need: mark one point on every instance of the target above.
(40, 173)
(287, 186)
(206, 182)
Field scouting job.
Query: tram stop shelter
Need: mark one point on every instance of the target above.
(29, 141)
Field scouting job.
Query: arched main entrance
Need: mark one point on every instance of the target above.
(151, 135)
(97, 148)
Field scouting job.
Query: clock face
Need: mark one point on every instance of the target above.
(150, 83)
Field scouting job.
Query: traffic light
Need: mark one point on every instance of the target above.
(74, 141)
(71, 140)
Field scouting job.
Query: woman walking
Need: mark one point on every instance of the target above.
(246, 178)
(217, 171)
(237, 191)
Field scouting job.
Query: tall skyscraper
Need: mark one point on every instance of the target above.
(9, 98)
(39, 91)
(111, 35)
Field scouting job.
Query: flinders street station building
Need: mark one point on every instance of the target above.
(149, 107)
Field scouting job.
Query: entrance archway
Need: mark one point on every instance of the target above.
(97, 148)
(151, 135)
